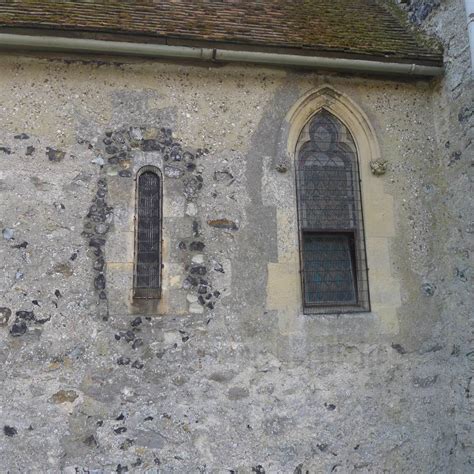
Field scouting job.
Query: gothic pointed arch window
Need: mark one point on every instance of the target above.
(331, 227)
(147, 265)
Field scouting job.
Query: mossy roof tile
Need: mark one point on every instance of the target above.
(366, 28)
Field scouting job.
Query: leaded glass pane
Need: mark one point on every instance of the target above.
(330, 217)
(328, 269)
(148, 232)
(326, 176)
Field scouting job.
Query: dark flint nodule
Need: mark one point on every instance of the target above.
(136, 322)
(90, 441)
(199, 270)
(192, 280)
(26, 315)
(10, 430)
(55, 155)
(99, 281)
(128, 335)
(137, 343)
(43, 320)
(150, 145)
(196, 246)
(18, 329)
(111, 149)
(96, 242)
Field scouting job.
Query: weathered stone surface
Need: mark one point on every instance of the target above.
(219, 376)
(196, 308)
(428, 289)
(5, 314)
(222, 376)
(237, 393)
(222, 224)
(64, 268)
(378, 167)
(191, 209)
(64, 396)
(8, 233)
(173, 172)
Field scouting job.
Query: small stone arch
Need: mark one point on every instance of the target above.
(341, 106)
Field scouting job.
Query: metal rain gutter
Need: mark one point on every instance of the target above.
(80, 45)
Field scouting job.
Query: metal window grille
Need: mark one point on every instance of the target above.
(147, 275)
(333, 254)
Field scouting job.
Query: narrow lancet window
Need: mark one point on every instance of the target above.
(333, 260)
(147, 277)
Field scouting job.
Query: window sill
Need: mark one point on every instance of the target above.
(359, 325)
(335, 310)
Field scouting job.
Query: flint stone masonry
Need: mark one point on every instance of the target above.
(224, 372)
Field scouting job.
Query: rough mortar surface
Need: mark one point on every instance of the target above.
(210, 378)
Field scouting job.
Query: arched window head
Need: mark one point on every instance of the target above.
(331, 228)
(147, 274)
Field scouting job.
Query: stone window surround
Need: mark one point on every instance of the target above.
(284, 292)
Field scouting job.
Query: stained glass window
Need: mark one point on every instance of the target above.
(334, 269)
(148, 236)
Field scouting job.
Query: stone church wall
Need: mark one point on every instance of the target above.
(225, 373)
(452, 272)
